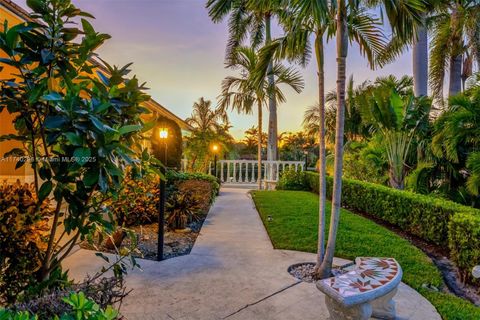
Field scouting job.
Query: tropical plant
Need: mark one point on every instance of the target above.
(402, 16)
(80, 307)
(74, 118)
(456, 140)
(244, 92)
(23, 230)
(391, 110)
(182, 208)
(210, 126)
(252, 18)
(455, 41)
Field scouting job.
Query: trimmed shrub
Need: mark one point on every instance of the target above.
(435, 220)
(424, 216)
(174, 177)
(138, 200)
(293, 180)
(464, 243)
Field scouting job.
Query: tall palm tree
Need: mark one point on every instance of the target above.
(251, 19)
(402, 15)
(456, 35)
(311, 17)
(420, 50)
(243, 93)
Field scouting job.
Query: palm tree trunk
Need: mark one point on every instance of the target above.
(455, 85)
(342, 51)
(259, 149)
(272, 148)
(420, 61)
(322, 184)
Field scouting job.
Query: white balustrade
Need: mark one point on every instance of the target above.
(246, 171)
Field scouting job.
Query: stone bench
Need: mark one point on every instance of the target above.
(269, 184)
(364, 292)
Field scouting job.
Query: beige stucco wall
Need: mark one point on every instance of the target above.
(7, 167)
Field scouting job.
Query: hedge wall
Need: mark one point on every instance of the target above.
(436, 220)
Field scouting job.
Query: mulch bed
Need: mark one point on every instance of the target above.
(175, 243)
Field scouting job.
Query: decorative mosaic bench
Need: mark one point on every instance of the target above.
(366, 291)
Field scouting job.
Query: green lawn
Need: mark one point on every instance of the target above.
(294, 226)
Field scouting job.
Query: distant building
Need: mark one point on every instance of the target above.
(14, 14)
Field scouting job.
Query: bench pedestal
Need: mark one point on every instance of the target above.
(384, 307)
(340, 312)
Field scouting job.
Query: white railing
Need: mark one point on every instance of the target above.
(246, 171)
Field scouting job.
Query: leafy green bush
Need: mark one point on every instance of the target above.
(436, 220)
(174, 177)
(23, 230)
(80, 308)
(137, 201)
(464, 242)
(292, 180)
(423, 216)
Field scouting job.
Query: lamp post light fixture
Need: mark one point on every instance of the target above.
(306, 159)
(163, 135)
(215, 149)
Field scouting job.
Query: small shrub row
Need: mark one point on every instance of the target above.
(187, 194)
(292, 180)
(174, 177)
(436, 220)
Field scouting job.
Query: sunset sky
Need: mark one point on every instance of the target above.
(179, 52)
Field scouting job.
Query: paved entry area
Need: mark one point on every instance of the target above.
(233, 272)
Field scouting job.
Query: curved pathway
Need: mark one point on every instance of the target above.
(233, 272)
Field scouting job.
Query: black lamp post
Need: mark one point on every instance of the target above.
(163, 134)
(215, 150)
(306, 159)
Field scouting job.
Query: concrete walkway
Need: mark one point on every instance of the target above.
(233, 272)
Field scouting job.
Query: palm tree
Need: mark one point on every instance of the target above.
(204, 118)
(456, 35)
(209, 126)
(243, 93)
(251, 18)
(420, 50)
(402, 15)
(312, 17)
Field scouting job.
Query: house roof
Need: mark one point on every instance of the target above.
(151, 104)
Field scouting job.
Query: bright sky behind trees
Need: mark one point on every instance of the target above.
(179, 52)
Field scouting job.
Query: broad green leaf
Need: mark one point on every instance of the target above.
(52, 96)
(36, 5)
(129, 128)
(73, 138)
(87, 28)
(90, 178)
(82, 155)
(45, 190)
(55, 122)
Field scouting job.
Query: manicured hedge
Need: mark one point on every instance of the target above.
(436, 220)
(174, 176)
(464, 242)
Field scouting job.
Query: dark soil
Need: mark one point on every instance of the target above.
(440, 257)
